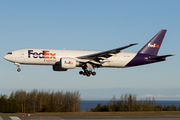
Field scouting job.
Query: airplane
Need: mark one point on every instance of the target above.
(62, 60)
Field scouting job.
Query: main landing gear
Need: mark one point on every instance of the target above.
(86, 72)
(18, 65)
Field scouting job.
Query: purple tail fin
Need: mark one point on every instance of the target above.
(153, 46)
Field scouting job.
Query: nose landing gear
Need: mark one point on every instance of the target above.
(18, 69)
(18, 65)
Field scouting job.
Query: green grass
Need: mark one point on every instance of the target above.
(94, 113)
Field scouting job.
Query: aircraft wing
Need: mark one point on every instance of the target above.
(105, 54)
(160, 57)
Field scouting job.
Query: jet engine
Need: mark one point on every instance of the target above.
(68, 63)
(57, 67)
(64, 64)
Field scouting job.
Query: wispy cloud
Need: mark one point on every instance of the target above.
(177, 96)
(161, 96)
(150, 95)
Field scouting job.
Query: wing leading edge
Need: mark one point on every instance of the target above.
(105, 54)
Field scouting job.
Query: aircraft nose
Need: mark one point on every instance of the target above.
(7, 57)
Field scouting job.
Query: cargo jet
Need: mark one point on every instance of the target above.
(62, 60)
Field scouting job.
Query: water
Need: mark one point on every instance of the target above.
(93, 103)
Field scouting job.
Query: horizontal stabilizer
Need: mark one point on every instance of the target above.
(163, 57)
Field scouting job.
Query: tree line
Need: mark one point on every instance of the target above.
(40, 101)
(129, 102)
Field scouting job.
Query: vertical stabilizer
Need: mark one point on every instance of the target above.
(153, 46)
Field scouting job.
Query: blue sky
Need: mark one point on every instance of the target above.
(91, 25)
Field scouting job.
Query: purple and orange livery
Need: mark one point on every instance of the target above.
(44, 54)
(62, 60)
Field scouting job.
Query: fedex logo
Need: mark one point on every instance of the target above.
(68, 62)
(155, 45)
(44, 54)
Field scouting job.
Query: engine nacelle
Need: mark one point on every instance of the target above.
(57, 67)
(68, 63)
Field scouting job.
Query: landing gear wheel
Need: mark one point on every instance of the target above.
(90, 72)
(18, 69)
(86, 71)
(88, 75)
(81, 72)
(93, 73)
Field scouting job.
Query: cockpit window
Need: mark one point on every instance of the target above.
(10, 53)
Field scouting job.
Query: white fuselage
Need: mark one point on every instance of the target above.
(51, 56)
